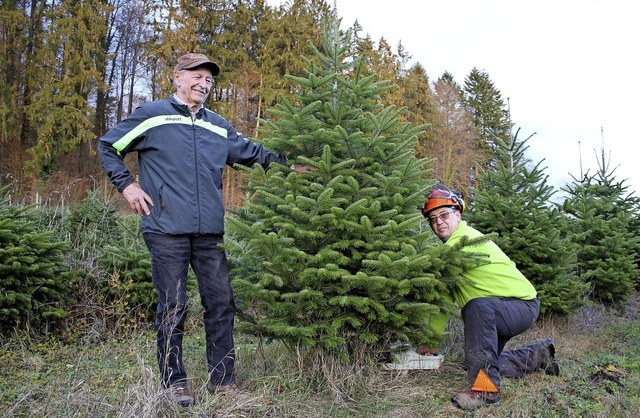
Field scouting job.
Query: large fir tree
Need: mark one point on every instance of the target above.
(515, 202)
(335, 258)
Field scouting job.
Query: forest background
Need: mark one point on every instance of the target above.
(74, 69)
(71, 70)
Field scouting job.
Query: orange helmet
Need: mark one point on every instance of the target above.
(441, 196)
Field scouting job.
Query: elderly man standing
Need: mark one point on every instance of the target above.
(497, 304)
(182, 149)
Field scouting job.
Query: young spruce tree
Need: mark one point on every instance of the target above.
(515, 202)
(335, 259)
(605, 228)
(35, 282)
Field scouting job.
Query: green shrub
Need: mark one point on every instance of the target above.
(92, 225)
(129, 290)
(36, 282)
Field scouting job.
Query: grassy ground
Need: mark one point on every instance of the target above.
(598, 352)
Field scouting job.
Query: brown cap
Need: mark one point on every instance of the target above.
(193, 60)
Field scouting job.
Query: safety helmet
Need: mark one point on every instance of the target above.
(440, 196)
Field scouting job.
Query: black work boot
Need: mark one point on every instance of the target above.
(546, 358)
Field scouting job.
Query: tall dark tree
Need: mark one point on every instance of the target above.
(13, 25)
(453, 138)
(420, 103)
(60, 110)
(488, 112)
(284, 35)
(21, 35)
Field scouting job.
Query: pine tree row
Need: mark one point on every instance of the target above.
(340, 258)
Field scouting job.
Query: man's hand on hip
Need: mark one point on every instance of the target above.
(138, 200)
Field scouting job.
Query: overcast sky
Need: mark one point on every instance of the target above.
(569, 68)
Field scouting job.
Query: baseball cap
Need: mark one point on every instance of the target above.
(192, 60)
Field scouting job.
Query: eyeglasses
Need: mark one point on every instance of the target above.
(443, 217)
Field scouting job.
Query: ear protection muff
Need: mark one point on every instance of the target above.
(459, 202)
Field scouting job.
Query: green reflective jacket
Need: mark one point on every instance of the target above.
(499, 278)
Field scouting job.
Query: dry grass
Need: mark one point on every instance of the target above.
(597, 350)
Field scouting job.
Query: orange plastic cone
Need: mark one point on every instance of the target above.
(483, 383)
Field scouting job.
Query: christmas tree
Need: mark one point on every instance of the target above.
(515, 202)
(338, 258)
(34, 280)
(604, 222)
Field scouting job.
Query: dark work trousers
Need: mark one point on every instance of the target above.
(489, 323)
(171, 256)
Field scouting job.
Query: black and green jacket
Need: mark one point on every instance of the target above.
(180, 162)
